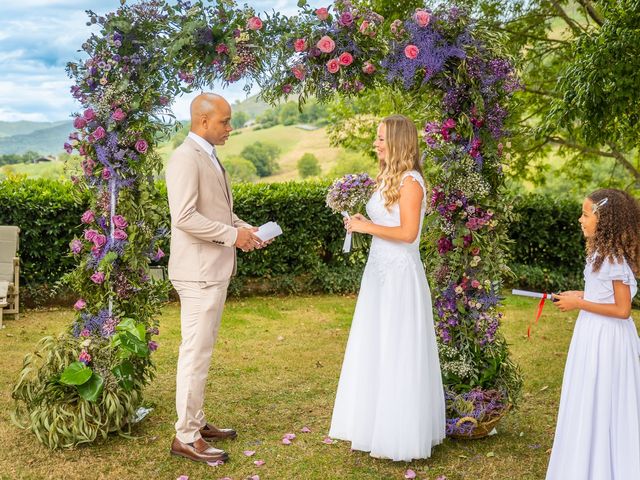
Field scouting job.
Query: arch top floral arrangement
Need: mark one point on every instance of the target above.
(90, 378)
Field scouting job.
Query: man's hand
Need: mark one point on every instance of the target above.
(246, 240)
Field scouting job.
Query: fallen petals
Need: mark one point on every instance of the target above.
(441, 477)
(259, 463)
(328, 441)
(305, 430)
(409, 474)
(254, 477)
(249, 453)
(290, 436)
(216, 463)
(286, 441)
(183, 477)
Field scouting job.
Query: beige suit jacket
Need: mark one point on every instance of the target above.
(203, 225)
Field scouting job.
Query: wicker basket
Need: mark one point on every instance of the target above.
(482, 429)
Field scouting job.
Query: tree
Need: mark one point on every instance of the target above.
(289, 113)
(308, 165)
(263, 155)
(240, 169)
(238, 119)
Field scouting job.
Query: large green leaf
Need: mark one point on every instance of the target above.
(124, 374)
(76, 374)
(91, 389)
(133, 344)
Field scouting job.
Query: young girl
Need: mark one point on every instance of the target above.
(390, 399)
(598, 432)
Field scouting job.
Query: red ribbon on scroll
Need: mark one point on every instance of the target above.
(540, 306)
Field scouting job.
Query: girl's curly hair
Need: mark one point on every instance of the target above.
(617, 234)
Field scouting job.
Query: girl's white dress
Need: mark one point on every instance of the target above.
(390, 399)
(598, 431)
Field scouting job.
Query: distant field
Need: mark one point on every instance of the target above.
(293, 142)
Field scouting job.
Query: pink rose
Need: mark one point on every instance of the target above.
(475, 283)
(255, 23)
(322, 13)
(80, 304)
(222, 48)
(333, 65)
(346, 19)
(411, 51)
(326, 44)
(90, 235)
(141, 146)
(368, 68)
(118, 115)
(89, 114)
(120, 234)
(97, 277)
(85, 333)
(422, 17)
(119, 221)
(79, 123)
(99, 133)
(88, 217)
(345, 59)
(449, 123)
(363, 26)
(298, 72)
(300, 45)
(99, 240)
(287, 88)
(106, 174)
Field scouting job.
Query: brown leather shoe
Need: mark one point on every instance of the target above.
(198, 451)
(213, 433)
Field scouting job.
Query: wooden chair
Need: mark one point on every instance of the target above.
(9, 271)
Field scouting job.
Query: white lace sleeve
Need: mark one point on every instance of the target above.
(416, 177)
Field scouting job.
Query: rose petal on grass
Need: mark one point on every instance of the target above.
(441, 477)
(290, 436)
(409, 474)
(286, 441)
(216, 463)
(259, 463)
(249, 453)
(328, 441)
(254, 477)
(183, 477)
(305, 430)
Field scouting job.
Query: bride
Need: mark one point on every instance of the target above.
(390, 399)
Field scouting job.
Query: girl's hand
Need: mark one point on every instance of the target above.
(357, 223)
(566, 302)
(574, 293)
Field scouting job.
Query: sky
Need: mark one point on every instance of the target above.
(39, 37)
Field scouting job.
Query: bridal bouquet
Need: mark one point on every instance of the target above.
(347, 196)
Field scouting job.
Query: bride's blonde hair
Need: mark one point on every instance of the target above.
(402, 155)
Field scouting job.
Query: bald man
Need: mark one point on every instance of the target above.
(204, 236)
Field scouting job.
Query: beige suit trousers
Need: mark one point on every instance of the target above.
(201, 306)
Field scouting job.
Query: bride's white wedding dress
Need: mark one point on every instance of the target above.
(390, 399)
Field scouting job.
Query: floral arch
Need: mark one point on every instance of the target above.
(88, 381)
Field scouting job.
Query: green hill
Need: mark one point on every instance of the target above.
(45, 140)
(23, 127)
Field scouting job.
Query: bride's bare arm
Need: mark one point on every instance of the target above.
(410, 210)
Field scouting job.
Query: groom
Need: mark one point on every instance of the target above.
(204, 236)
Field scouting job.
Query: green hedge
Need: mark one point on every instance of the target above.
(547, 250)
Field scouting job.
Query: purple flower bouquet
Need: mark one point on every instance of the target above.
(349, 195)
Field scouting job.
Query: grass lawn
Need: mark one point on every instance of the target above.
(275, 370)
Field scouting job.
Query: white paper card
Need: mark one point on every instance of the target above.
(268, 231)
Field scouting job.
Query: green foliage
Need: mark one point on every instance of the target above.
(12, 158)
(238, 119)
(48, 213)
(308, 165)
(240, 170)
(263, 155)
(600, 87)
